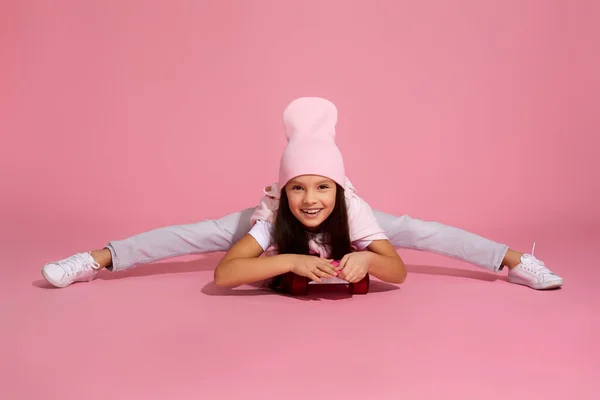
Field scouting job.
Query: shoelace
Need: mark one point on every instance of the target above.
(534, 264)
(71, 265)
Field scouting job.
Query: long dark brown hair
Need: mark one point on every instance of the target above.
(291, 237)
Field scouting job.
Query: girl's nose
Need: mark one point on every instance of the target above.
(309, 197)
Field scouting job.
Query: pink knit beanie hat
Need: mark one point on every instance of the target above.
(311, 150)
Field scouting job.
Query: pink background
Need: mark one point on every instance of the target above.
(118, 117)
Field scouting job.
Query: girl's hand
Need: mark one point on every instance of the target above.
(313, 267)
(354, 266)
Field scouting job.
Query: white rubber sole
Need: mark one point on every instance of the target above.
(537, 286)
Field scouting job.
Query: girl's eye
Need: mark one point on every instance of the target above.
(323, 187)
(296, 188)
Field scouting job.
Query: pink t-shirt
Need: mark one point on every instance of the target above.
(361, 219)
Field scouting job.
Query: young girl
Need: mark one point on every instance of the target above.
(250, 231)
(315, 218)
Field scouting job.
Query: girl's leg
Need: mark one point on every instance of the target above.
(411, 233)
(178, 240)
(524, 269)
(157, 244)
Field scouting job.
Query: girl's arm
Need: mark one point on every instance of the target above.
(385, 263)
(242, 264)
(380, 259)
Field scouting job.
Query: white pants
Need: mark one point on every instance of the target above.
(219, 235)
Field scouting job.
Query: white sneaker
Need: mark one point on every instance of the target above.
(533, 273)
(78, 268)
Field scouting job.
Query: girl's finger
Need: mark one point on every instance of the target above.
(358, 276)
(350, 277)
(327, 269)
(321, 274)
(313, 277)
(351, 273)
(347, 269)
(343, 262)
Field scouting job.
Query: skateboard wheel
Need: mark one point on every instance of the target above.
(360, 287)
(297, 285)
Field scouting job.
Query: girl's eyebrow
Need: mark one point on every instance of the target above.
(327, 181)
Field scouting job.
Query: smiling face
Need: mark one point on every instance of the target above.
(311, 199)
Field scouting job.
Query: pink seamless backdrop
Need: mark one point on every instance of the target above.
(475, 113)
(122, 116)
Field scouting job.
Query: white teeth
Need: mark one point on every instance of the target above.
(310, 211)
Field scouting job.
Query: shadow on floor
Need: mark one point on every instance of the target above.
(455, 272)
(315, 292)
(208, 263)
